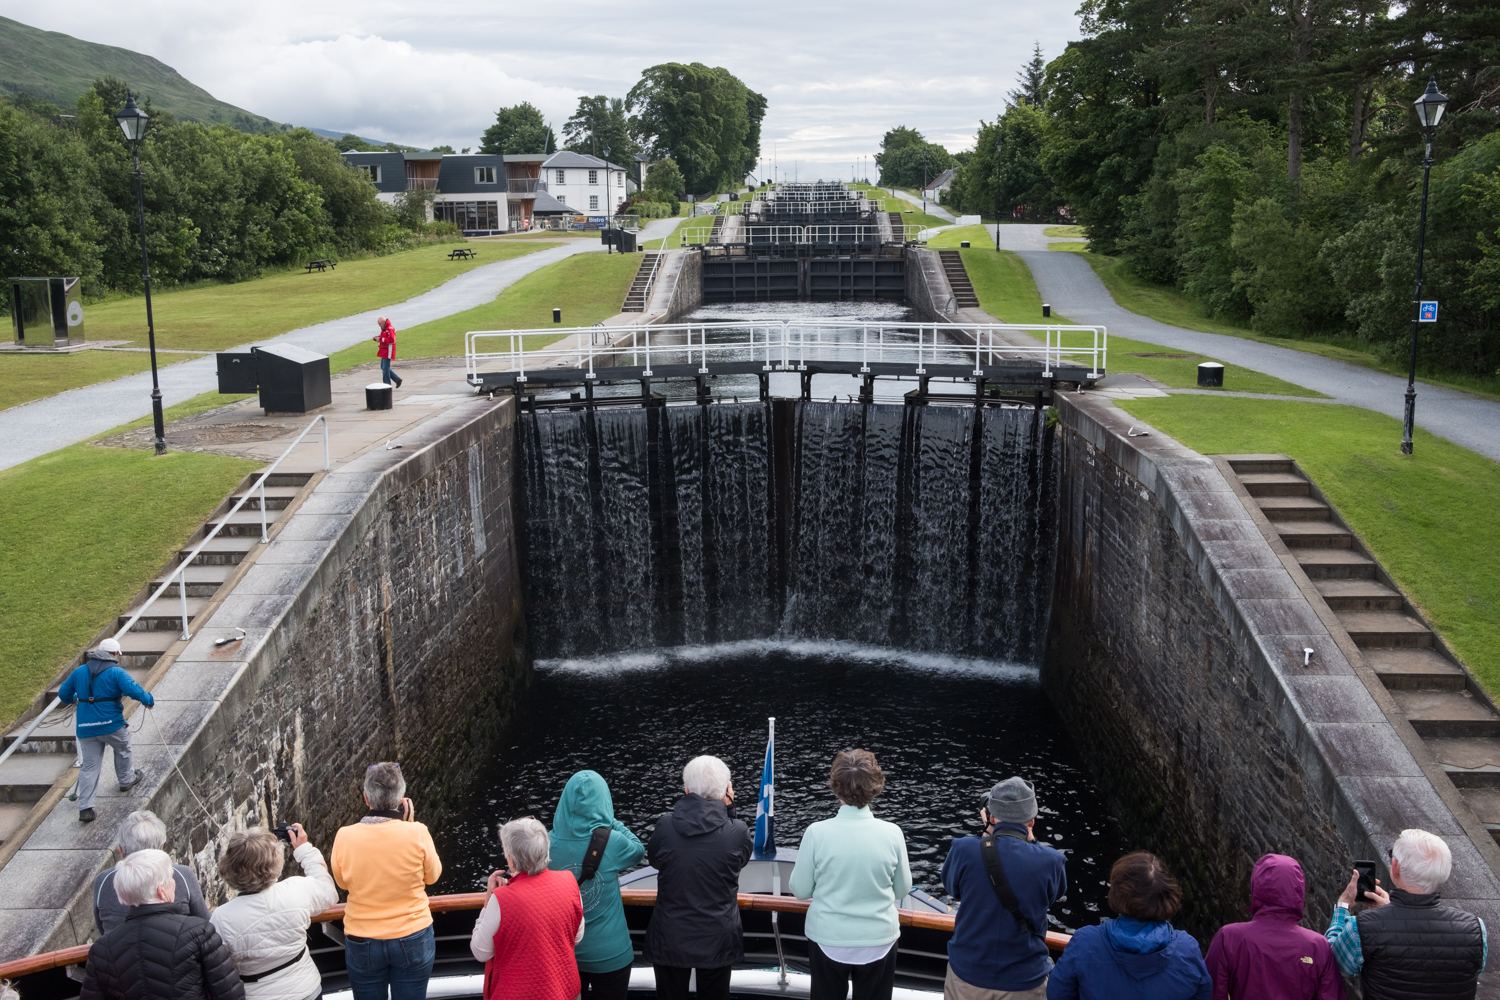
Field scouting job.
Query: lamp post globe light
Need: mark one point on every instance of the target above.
(609, 206)
(1429, 107)
(999, 145)
(133, 123)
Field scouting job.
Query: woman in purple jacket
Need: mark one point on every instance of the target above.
(1138, 955)
(1270, 957)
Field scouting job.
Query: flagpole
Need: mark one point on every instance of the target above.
(775, 865)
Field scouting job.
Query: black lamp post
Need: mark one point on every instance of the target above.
(1429, 107)
(999, 145)
(133, 121)
(609, 247)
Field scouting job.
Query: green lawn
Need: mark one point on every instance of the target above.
(889, 203)
(1069, 247)
(1429, 517)
(85, 527)
(949, 239)
(1164, 303)
(670, 242)
(588, 288)
(216, 317)
(24, 377)
(1064, 231)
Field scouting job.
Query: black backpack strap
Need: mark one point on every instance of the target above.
(594, 853)
(1003, 892)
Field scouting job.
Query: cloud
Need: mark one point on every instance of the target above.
(836, 77)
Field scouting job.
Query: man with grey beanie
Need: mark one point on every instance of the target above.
(1005, 882)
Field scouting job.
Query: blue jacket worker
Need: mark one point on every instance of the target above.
(98, 686)
(1005, 883)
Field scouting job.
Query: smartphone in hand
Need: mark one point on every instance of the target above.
(1366, 883)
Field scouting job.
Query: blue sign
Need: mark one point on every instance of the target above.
(1428, 313)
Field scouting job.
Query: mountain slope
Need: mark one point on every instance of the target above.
(60, 68)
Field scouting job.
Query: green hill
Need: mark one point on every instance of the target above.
(59, 69)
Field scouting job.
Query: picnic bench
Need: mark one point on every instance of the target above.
(462, 253)
(322, 264)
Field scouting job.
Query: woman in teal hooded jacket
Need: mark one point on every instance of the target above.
(604, 954)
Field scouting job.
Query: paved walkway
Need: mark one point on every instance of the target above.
(1068, 282)
(36, 428)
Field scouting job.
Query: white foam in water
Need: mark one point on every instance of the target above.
(821, 651)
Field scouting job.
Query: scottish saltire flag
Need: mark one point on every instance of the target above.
(765, 809)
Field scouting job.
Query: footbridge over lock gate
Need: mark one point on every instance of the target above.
(976, 364)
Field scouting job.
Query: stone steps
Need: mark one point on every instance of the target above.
(1314, 535)
(277, 498)
(635, 298)
(32, 776)
(1435, 695)
(202, 581)
(165, 614)
(242, 524)
(1294, 509)
(1359, 595)
(223, 551)
(12, 816)
(958, 279)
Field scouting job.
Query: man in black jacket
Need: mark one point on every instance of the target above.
(1407, 945)
(159, 952)
(698, 851)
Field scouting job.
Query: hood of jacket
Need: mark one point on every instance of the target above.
(1139, 947)
(1278, 889)
(693, 815)
(584, 807)
(100, 661)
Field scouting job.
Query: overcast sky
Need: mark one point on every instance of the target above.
(836, 75)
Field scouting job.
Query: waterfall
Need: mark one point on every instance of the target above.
(927, 528)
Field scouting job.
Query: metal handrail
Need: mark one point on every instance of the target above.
(784, 345)
(651, 278)
(181, 573)
(459, 902)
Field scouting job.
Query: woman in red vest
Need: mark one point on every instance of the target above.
(386, 340)
(528, 955)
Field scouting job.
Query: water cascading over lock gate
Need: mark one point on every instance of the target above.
(919, 528)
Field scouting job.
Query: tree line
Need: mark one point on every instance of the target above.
(220, 204)
(1262, 156)
(699, 126)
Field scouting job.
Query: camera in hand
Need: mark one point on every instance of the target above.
(283, 831)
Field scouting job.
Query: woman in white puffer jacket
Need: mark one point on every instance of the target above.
(265, 925)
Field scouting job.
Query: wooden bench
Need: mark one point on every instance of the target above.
(462, 253)
(323, 264)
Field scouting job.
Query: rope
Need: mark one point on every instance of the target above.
(155, 725)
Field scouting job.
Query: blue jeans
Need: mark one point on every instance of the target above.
(402, 964)
(386, 375)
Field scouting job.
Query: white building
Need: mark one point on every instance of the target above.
(586, 184)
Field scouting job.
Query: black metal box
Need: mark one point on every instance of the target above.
(237, 373)
(292, 380)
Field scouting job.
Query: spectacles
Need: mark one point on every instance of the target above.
(393, 763)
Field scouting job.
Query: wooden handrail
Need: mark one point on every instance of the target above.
(476, 900)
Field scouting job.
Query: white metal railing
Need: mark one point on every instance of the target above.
(181, 574)
(650, 279)
(695, 236)
(788, 346)
(421, 183)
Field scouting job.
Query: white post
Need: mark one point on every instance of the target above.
(325, 445)
(263, 538)
(182, 595)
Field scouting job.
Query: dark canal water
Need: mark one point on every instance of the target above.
(944, 728)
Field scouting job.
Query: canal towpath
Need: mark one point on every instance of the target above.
(45, 425)
(1069, 284)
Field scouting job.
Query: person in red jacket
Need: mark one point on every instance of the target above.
(386, 338)
(526, 932)
(1270, 957)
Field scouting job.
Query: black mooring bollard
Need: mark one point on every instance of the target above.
(557, 315)
(1046, 310)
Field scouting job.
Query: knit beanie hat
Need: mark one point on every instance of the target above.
(1013, 801)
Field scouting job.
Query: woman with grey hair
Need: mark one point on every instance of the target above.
(265, 925)
(528, 955)
(142, 831)
(386, 861)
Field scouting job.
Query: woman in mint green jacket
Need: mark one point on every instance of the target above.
(854, 869)
(604, 954)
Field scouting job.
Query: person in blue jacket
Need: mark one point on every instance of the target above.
(98, 685)
(1138, 955)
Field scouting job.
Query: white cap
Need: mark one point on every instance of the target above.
(110, 646)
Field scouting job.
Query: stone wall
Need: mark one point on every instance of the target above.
(384, 622)
(1176, 659)
(687, 293)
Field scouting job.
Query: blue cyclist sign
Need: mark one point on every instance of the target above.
(1428, 313)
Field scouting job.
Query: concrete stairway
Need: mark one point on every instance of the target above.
(640, 288)
(898, 226)
(36, 776)
(716, 235)
(1444, 704)
(958, 279)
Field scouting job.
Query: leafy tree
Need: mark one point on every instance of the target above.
(1032, 79)
(703, 118)
(907, 159)
(442, 149)
(358, 217)
(664, 179)
(351, 143)
(47, 202)
(518, 129)
(601, 123)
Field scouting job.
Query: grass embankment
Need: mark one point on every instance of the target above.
(24, 377)
(1008, 292)
(1077, 231)
(1164, 303)
(588, 288)
(670, 242)
(1428, 517)
(214, 317)
(897, 203)
(86, 527)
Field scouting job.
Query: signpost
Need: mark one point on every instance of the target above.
(1428, 312)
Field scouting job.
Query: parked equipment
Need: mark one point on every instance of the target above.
(290, 379)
